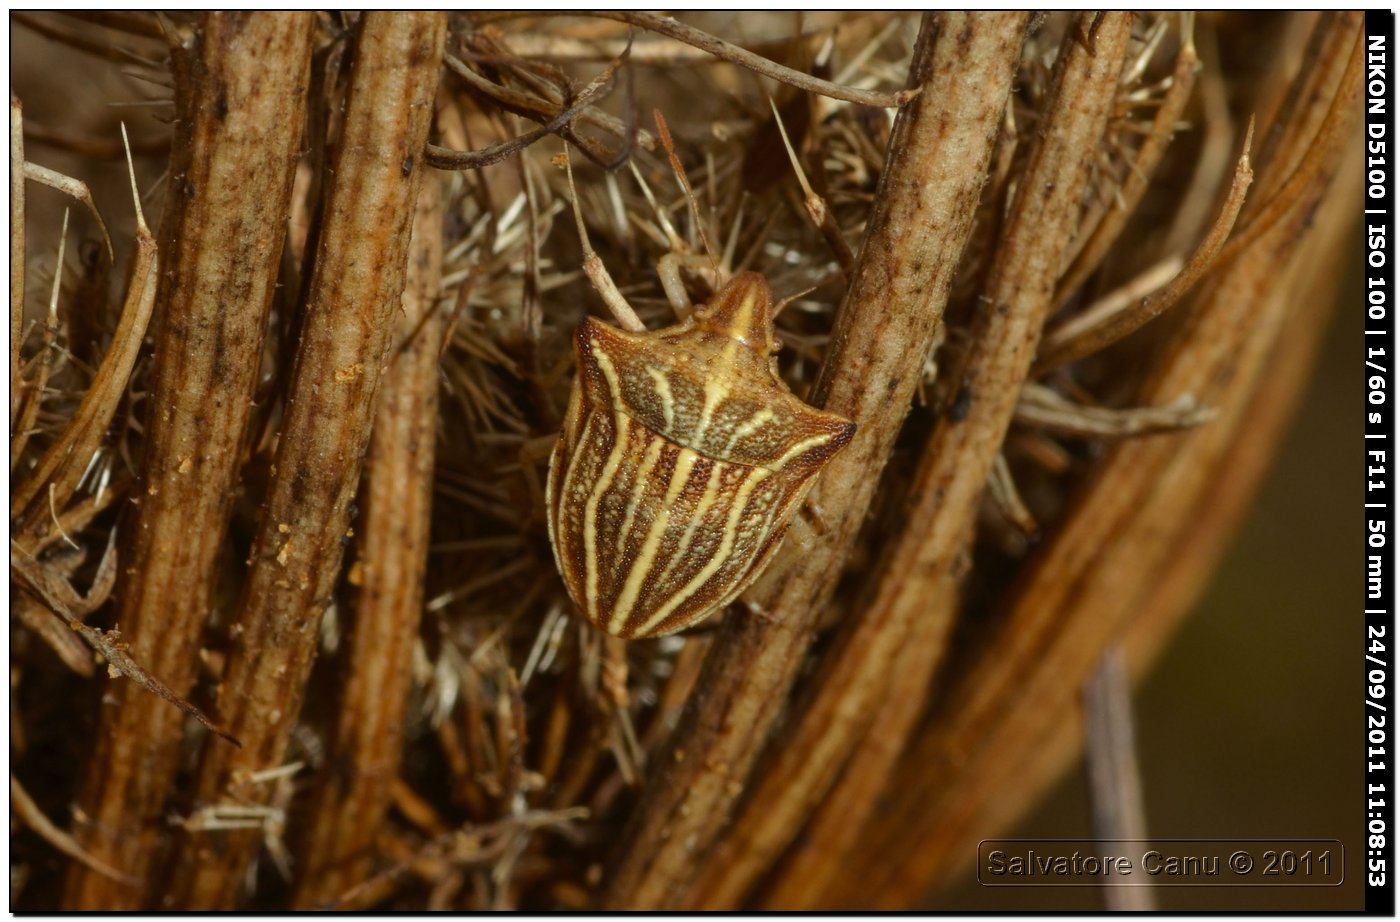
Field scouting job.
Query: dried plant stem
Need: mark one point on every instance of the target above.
(224, 246)
(953, 473)
(355, 289)
(1302, 104)
(816, 861)
(352, 792)
(1087, 333)
(63, 601)
(728, 51)
(16, 252)
(1115, 782)
(51, 484)
(1081, 591)
(1104, 233)
(882, 335)
(30, 815)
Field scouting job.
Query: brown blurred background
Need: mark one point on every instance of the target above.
(1250, 725)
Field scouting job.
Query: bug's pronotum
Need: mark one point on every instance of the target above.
(681, 461)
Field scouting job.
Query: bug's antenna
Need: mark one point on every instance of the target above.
(778, 308)
(673, 239)
(593, 266)
(665, 134)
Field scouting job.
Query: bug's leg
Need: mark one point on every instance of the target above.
(811, 516)
(532, 452)
(593, 266)
(669, 268)
(758, 611)
(603, 674)
(704, 628)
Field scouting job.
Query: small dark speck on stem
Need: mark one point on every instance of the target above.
(961, 404)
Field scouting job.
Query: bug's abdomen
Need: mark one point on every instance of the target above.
(650, 535)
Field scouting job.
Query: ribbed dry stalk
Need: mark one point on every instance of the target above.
(351, 793)
(948, 485)
(1080, 591)
(16, 252)
(883, 332)
(355, 289)
(244, 89)
(1091, 248)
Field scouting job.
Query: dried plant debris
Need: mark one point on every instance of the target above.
(530, 761)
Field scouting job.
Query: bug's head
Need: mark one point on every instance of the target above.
(742, 310)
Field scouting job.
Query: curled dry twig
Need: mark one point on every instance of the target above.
(542, 110)
(1087, 333)
(51, 484)
(728, 51)
(62, 601)
(30, 814)
(444, 159)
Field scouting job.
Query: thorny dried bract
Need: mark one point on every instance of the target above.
(528, 732)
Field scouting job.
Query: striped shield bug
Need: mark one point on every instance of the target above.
(681, 461)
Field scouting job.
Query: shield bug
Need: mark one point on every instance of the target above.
(681, 461)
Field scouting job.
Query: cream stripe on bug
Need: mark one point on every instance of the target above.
(564, 538)
(754, 423)
(716, 561)
(663, 394)
(649, 462)
(605, 478)
(680, 473)
(697, 518)
(798, 450)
